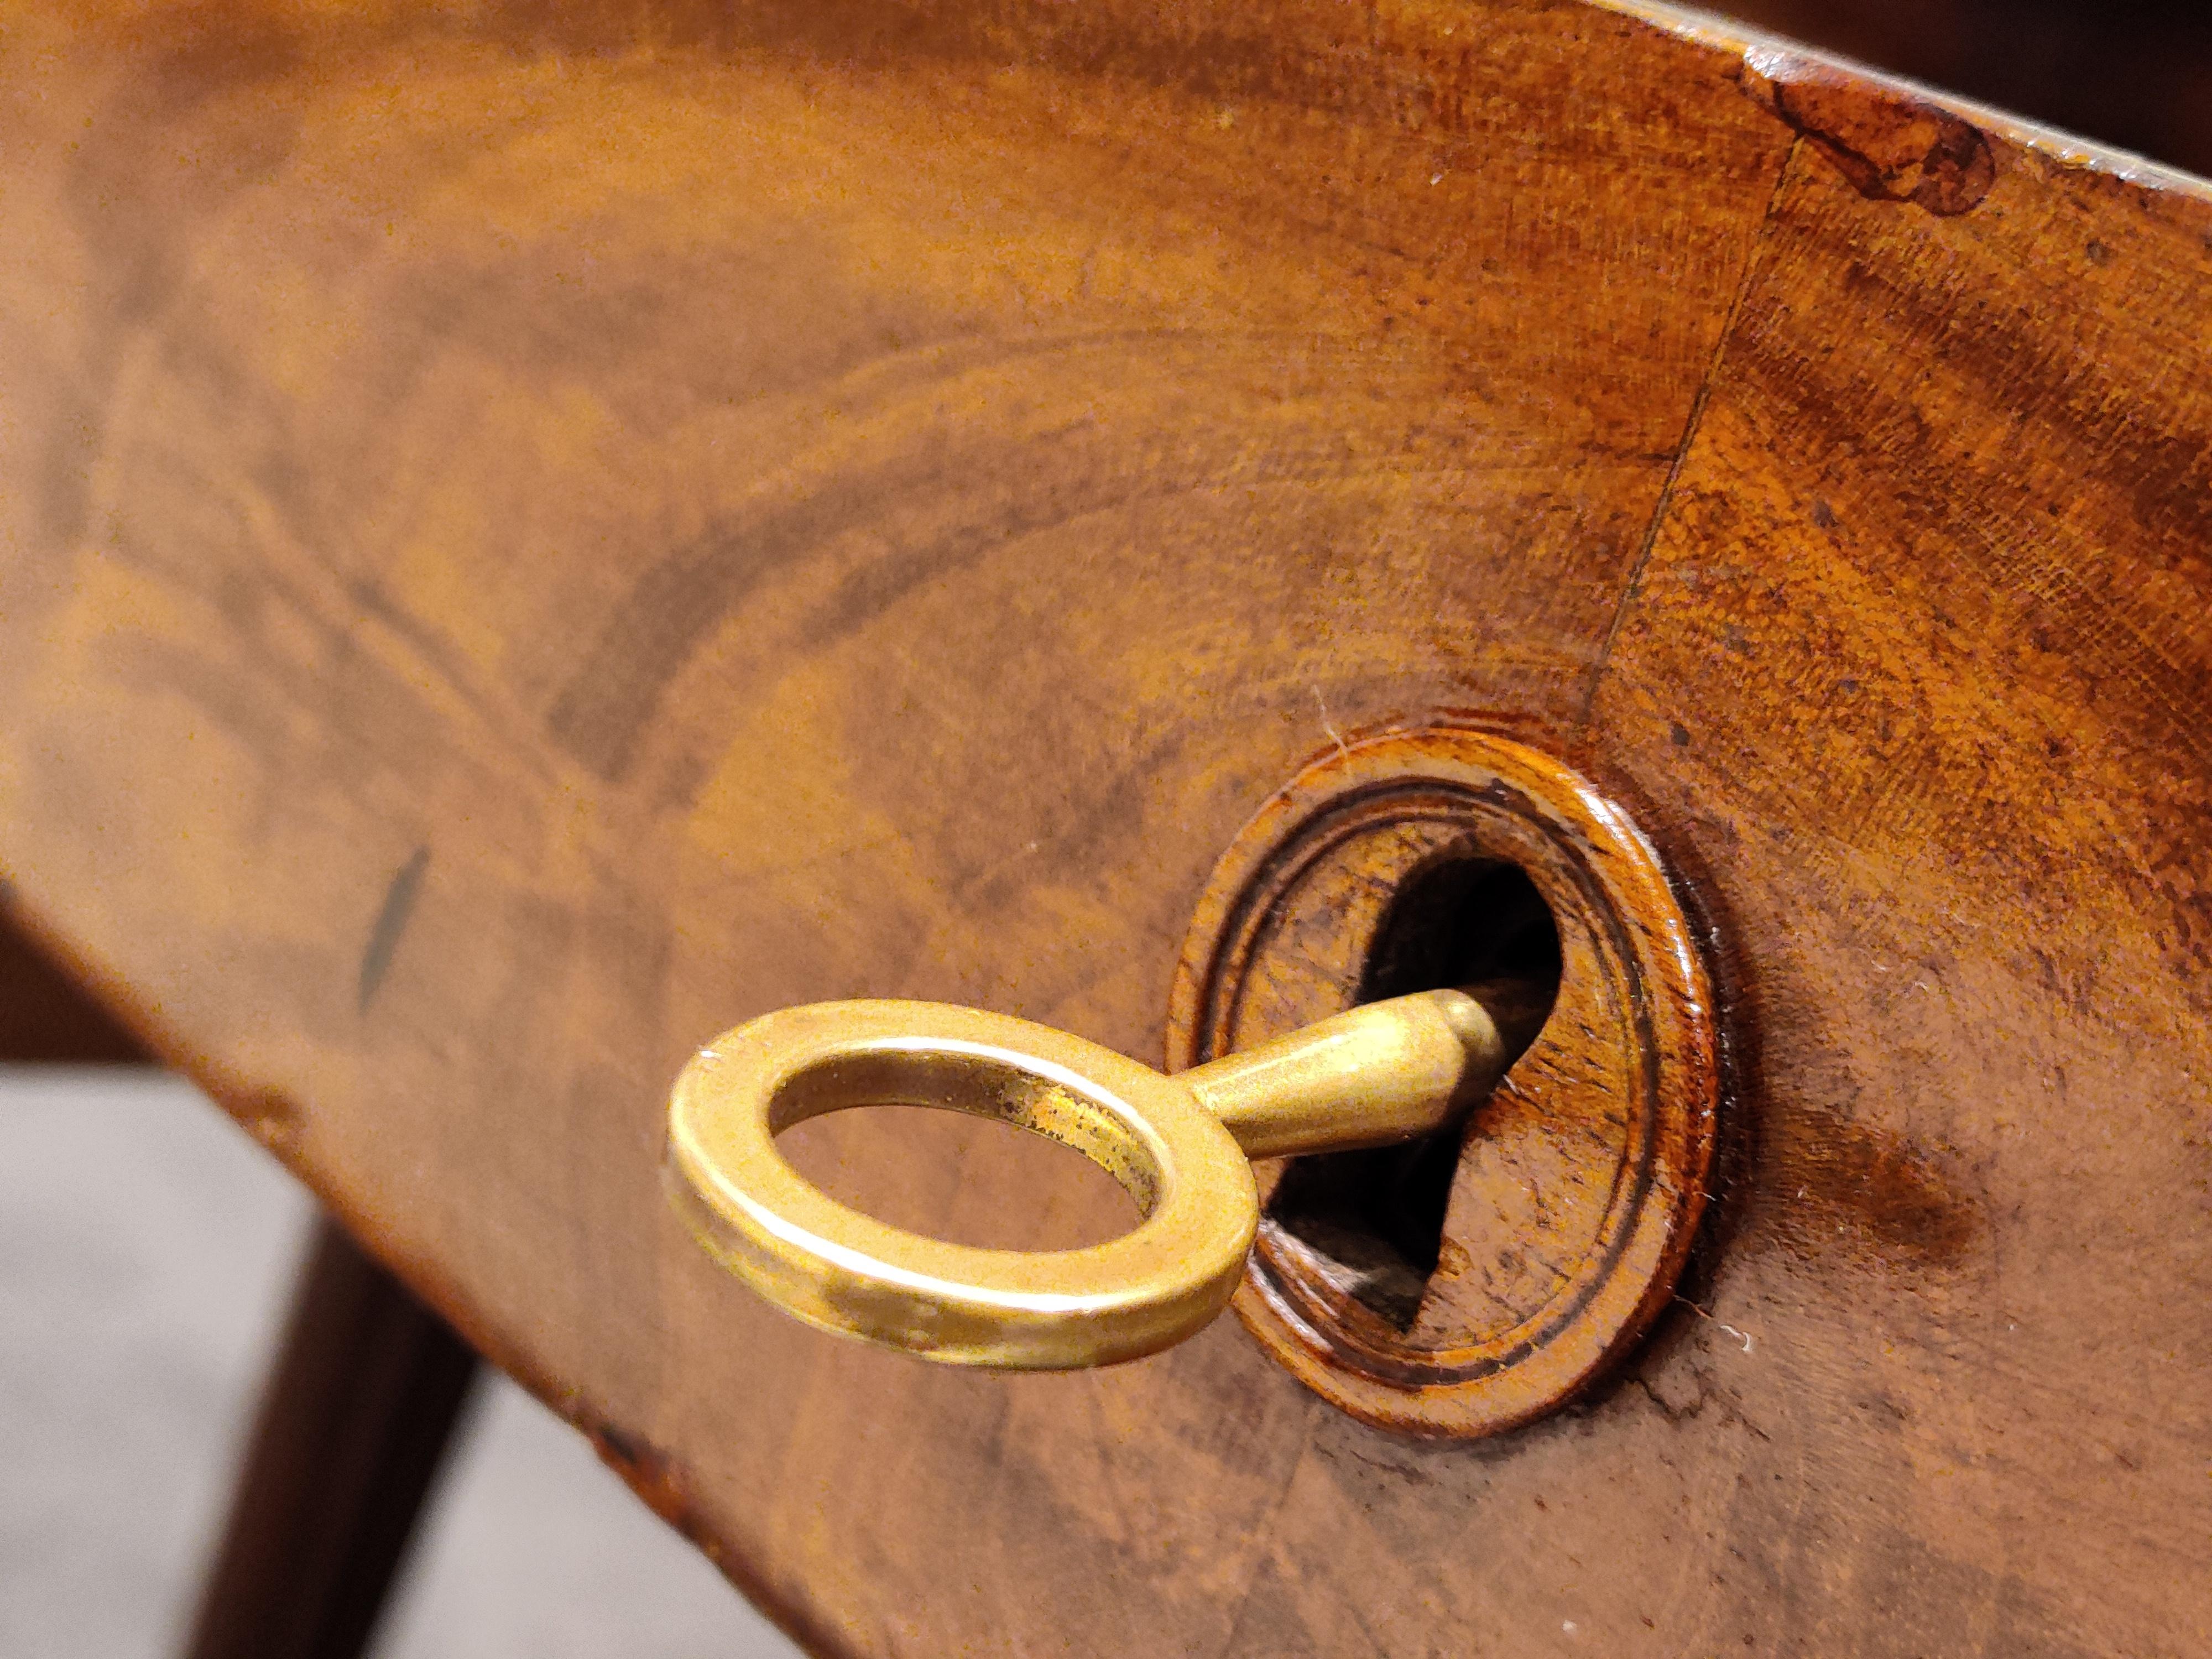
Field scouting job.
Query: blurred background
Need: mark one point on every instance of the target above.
(150, 1254)
(152, 1257)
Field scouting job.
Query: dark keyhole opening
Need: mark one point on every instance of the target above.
(1377, 1216)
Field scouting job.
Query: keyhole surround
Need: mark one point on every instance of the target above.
(1466, 1289)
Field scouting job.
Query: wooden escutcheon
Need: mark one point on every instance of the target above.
(1465, 1288)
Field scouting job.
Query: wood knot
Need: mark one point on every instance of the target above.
(1891, 147)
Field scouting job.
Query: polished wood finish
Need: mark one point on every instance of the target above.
(359, 1412)
(530, 537)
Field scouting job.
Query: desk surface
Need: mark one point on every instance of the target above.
(529, 539)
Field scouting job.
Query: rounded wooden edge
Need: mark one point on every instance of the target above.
(1662, 1198)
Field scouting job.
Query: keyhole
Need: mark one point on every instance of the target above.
(1378, 1216)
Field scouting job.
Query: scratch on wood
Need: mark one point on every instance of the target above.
(391, 921)
(1715, 1319)
(1634, 584)
(1329, 725)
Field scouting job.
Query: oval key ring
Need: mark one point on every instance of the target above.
(1179, 1145)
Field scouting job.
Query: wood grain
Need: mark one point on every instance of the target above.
(526, 539)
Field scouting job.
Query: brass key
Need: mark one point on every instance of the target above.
(1180, 1145)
